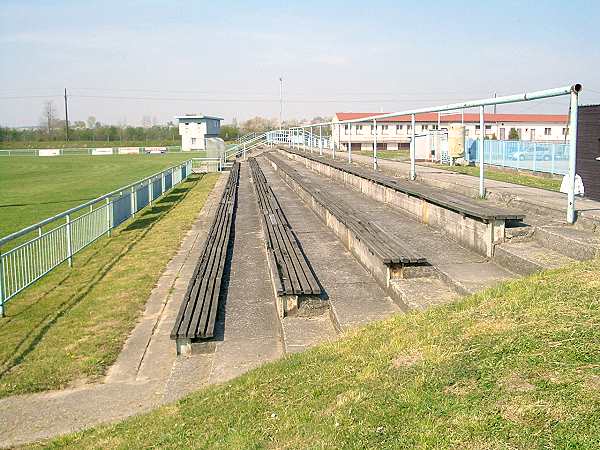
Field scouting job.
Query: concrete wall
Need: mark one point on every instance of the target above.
(473, 233)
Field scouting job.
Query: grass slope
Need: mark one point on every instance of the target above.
(71, 325)
(34, 188)
(516, 366)
(512, 176)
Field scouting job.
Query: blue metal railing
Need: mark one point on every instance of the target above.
(524, 155)
(36, 250)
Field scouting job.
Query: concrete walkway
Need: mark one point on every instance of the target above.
(532, 200)
(142, 376)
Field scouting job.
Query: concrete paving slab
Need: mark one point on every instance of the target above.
(301, 333)
(248, 326)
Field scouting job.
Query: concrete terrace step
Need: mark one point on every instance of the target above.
(528, 257)
(569, 241)
(423, 292)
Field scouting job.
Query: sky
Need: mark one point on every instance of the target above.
(123, 60)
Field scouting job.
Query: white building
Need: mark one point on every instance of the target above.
(195, 130)
(395, 133)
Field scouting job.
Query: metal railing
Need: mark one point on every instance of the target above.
(36, 250)
(571, 90)
(535, 156)
(205, 165)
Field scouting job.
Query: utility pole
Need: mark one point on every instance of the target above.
(280, 102)
(66, 115)
(495, 104)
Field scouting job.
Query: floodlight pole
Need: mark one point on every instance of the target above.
(481, 152)
(572, 155)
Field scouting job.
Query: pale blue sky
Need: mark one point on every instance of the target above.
(122, 60)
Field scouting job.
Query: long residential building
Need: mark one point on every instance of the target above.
(395, 133)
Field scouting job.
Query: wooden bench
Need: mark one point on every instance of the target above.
(378, 251)
(294, 281)
(198, 311)
(478, 224)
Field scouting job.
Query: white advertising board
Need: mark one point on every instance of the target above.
(49, 152)
(102, 151)
(128, 150)
(155, 149)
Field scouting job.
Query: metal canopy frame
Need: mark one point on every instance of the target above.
(573, 90)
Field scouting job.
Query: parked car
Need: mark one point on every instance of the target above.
(540, 154)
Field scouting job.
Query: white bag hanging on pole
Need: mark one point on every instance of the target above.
(564, 185)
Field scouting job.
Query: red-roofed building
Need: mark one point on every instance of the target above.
(395, 132)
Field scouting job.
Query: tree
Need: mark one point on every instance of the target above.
(229, 132)
(513, 135)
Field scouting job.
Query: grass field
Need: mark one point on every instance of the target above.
(34, 188)
(86, 144)
(516, 366)
(513, 176)
(70, 326)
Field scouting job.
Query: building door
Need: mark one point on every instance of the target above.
(588, 149)
(532, 134)
(502, 135)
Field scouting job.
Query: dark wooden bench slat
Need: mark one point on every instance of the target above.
(293, 270)
(455, 202)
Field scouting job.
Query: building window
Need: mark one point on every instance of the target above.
(358, 129)
(434, 126)
(408, 127)
(423, 127)
(564, 132)
(346, 128)
(547, 131)
(502, 134)
(193, 141)
(488, 127)
(373, 129)
(398, 128)
(384, 128)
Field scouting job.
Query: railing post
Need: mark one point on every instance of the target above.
(69, 241)
(481, 153)
(133, 200)
(572, 155)
(374, 144)
(2, 295)
(413, 149)
(350, 143)
(108, 216)
(162, 181)
(320, 140)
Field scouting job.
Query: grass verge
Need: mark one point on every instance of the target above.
(395, 155)
(513, 176)
(33, 188)
(70, 326)
(516, 366)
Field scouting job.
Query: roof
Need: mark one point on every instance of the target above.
(196, 117)
(456, 117)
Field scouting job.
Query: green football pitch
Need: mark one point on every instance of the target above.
(34, 188)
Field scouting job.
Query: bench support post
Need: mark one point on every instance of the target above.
(184, 346)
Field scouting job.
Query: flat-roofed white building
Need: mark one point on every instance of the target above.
(395, 133)
(195, 129)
